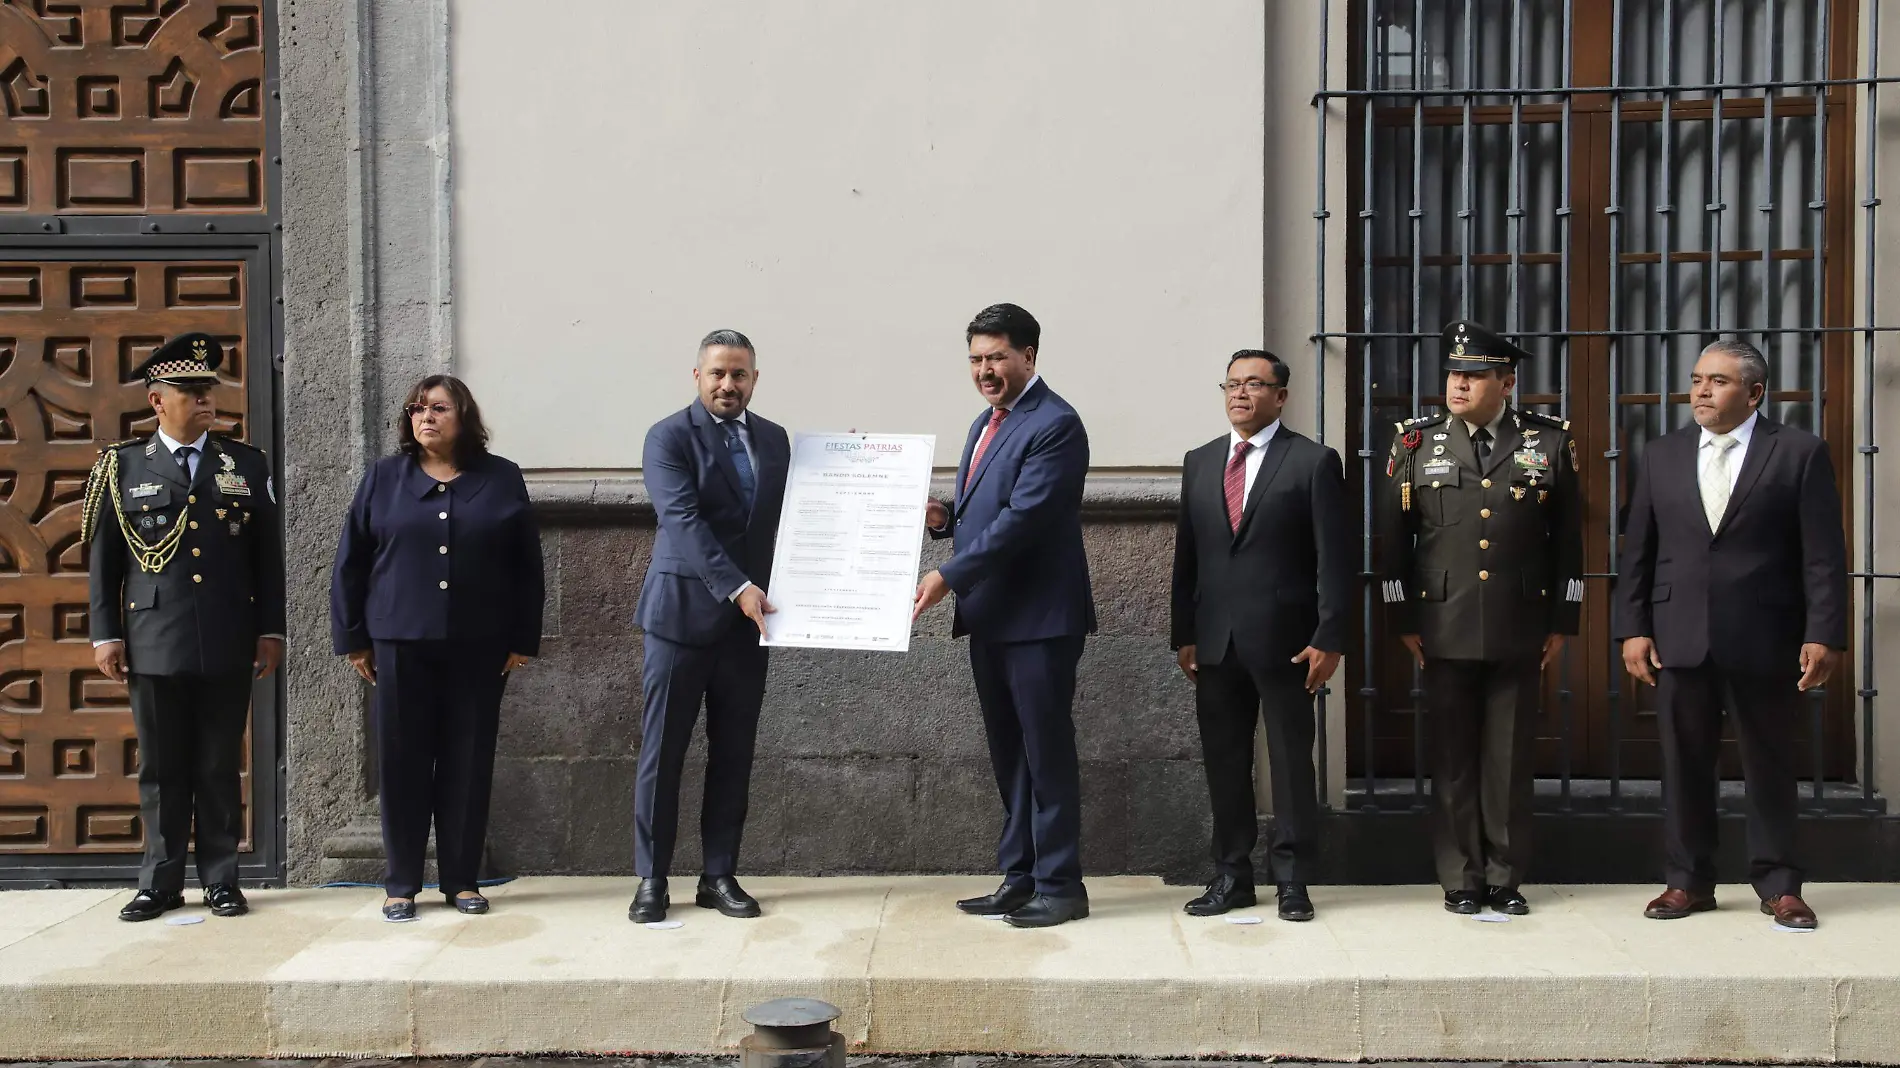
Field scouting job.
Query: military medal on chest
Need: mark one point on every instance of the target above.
(230, 483)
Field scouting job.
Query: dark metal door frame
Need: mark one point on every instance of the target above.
(257, 240)
(265, 864)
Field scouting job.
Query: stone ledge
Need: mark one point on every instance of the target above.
(620, 495)
(1383, 974)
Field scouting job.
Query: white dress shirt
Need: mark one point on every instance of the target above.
(172, 447)
(1705, 453)
(1254, 456)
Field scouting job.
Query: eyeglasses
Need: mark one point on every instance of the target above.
(440, 410)
(1252, 385)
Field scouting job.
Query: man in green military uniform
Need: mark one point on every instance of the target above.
(187, 608)
(1482, 524)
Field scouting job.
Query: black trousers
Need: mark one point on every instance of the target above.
(1484, 719)
(1766, 708)
(437, 707)
(1027, 692)
(191, 747)
(730, 678)
(1228, 699)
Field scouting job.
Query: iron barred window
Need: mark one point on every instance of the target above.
(1612, 184)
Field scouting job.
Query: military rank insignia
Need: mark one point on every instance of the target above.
(230, 483)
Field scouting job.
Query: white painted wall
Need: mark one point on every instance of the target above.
(848, 181)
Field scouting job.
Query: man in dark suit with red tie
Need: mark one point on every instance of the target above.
(1732, 598)
(1022, 583)
(1262, 586)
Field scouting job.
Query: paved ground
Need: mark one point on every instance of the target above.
(852, 1062)
(1383, 975)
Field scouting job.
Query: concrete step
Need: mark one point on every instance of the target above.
(1383, 974)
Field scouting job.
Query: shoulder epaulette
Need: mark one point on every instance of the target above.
(99, 483)
(1548, 420)
(1425, 420)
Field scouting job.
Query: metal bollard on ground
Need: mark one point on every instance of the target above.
(792, 1033)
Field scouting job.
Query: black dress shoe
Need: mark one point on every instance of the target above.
(1005, 900)
(226, 900)
(1295, 905)
(649, 902)
(399, 911)
(1046, 911)
(723, 892)
(470, 906)
(1507, 900)
(151, 904)
(1463, 902)
(1222, 895)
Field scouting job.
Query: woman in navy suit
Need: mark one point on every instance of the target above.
(435, 598)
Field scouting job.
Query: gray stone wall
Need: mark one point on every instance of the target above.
(866, 762)
(367, 302)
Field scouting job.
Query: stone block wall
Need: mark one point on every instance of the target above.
(866, 762)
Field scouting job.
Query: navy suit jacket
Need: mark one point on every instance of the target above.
(1019, 570)
(394, 582)
(708, 544)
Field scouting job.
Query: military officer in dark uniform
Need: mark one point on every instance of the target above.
(1482, 524)
(187, 570)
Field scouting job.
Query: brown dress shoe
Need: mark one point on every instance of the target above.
(1790, 911)
(1674, 904)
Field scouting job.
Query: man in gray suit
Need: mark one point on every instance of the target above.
(187, 608)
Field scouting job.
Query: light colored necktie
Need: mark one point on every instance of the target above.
(1715, 481)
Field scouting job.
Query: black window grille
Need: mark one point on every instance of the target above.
(1614, 184)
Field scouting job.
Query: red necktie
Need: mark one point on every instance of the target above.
(1235, 484)
(996, 419)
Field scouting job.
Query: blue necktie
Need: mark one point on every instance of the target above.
(740, 462)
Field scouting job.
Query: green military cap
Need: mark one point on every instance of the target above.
(1472, 346)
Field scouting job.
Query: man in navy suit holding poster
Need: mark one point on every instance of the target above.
(1021, 578)
(716, 471)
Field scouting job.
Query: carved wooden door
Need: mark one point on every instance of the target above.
(70, 335)
(135, 204)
